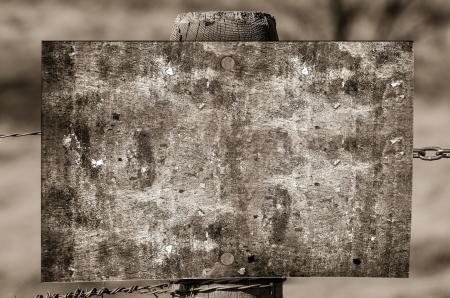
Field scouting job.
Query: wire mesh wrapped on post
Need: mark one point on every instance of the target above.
(224, 26)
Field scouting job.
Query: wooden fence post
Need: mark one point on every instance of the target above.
(239, 288)
(228, 26)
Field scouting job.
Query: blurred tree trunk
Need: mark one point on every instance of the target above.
(343, 14)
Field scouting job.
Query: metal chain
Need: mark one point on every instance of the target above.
(431, 153)
(166, 288)
(425, 153)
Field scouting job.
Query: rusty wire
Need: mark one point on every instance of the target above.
(425, 153)
(190, 289)
(80, 293)
(13, 135)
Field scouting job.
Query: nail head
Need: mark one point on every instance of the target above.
(227, 259)
(227, 63)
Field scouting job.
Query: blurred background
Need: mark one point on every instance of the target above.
(25, 23)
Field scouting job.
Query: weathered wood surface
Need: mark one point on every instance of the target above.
(162, 160)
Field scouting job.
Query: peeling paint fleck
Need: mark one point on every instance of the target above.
(168, 249)
(305, 71)
(396, 83)
(96, 163)
(170, 71)
(66, 141)
(395, 140)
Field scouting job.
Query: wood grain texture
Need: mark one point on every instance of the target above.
(157, 160)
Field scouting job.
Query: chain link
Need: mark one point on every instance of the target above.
(431, 153)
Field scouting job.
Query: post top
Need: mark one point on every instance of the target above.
(224, 26)
(229, 15)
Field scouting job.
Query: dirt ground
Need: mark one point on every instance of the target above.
(23, 24)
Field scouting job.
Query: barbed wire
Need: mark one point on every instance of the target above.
(189, 290)
(80, 293)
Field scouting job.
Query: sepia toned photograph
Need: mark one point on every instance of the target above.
(224, 149)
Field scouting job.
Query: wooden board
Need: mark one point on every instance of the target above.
(189, 160)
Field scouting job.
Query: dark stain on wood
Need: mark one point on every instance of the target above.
(146, 157)
(281, 206)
